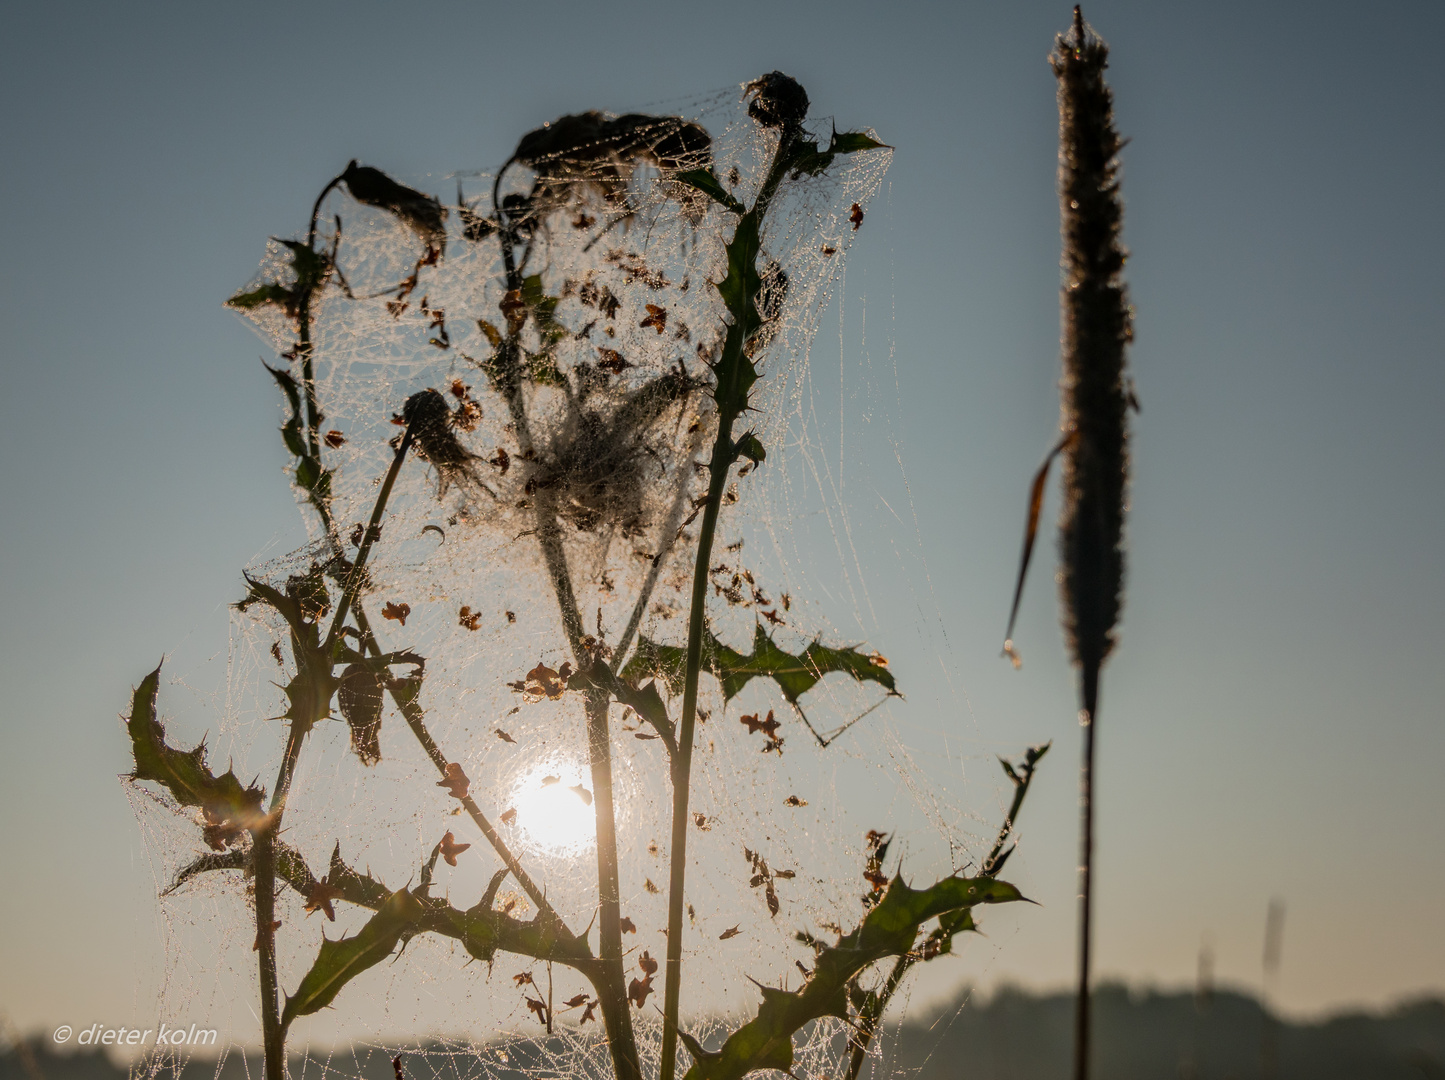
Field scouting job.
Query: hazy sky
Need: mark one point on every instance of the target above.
(1272, 725)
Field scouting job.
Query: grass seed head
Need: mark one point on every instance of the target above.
(1096, 328)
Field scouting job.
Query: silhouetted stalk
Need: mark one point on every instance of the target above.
(264, 868)
(263, 839)
(621, 1038)
(731, 400)
(1096, 328)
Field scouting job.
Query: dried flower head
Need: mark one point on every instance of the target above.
(430, 421)
(778, 100)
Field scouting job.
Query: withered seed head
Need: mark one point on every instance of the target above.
(778, 101)
(429, 419)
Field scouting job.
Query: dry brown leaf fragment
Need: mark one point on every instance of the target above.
(772, 898)
(508, 816)
(459, 389)
(501, 460)
(700, 820)
(768, 727)
(504, 736)
(514, 310)
(587, 1013)
(656, 318)
(276, 652)
(455, 781)
(638, 989)
(627, 925)
(793, 800)
(574, 1002)
(855, 215)
(334, 439)
(650, 887)
(466, 617)
(539, 1007)
(647, 963)
(523, 978)
(511, 616)
(774, 618)
(395, 611)
(730, 932)
(467, 416)
(612, 361)
(450, 849)
(319, 898)
(256, 947)
(829, 250)
(542, 682)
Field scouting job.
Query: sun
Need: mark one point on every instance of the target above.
(554, 809)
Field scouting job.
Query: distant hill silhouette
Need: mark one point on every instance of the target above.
(1015, 1035)
(1012, 1035)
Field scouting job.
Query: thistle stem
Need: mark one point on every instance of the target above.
(613, 991)
(263, 840)
(272, 1036)
(731, 400)
(373, 529)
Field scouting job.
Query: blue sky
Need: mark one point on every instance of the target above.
(1272, 724)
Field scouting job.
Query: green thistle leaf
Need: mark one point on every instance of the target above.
(795, 675)
(224, 802)
(342, 960)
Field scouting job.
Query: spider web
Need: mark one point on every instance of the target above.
(459, 548)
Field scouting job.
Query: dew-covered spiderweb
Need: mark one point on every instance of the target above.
(617, 316)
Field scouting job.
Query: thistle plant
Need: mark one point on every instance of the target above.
(1097, 326)
(604, 311)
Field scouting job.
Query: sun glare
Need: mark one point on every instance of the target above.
(554, 809)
